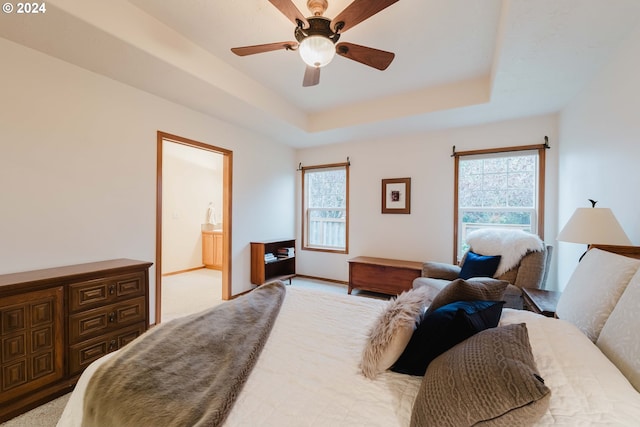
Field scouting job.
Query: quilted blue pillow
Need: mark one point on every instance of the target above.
(443, 329)
(479, 265)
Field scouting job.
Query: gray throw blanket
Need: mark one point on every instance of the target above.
(186, 372)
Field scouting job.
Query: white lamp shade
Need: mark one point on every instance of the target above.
(317, 51)
(594, 226)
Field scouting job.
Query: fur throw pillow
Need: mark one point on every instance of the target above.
(393, 329)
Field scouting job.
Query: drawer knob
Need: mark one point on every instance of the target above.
(112, 345)
(112, 289)
(112, 317)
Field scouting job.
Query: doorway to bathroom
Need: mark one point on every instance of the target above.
(193, 226)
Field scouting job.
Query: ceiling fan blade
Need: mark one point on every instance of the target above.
(290, 10)
(375, 58)
(358, 11)
(311, 76)
(261, 48)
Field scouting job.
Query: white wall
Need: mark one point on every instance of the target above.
(600, 149)
(78, 169)
(426, 233)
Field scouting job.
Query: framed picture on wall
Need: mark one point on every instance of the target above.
(396, 195)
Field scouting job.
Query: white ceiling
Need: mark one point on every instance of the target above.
(458, 62)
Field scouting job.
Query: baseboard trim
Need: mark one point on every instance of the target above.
(340, 282)
(183, 271)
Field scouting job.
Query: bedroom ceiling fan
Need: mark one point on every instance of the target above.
(317, 36)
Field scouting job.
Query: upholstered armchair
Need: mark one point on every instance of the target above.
(523, 262)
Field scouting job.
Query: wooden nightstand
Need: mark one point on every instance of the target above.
(541, 301)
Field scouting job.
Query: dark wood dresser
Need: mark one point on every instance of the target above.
(54, 322)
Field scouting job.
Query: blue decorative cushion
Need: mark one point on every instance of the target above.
(443, 329)
(479, 265)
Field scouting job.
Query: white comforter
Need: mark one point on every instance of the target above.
(308, 373)
(586, 388)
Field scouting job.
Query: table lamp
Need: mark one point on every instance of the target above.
(593, 226)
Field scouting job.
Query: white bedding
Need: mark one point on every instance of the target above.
(586, 388)
(308, 373)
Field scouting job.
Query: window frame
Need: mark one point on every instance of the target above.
(541, 151)
(304, 214)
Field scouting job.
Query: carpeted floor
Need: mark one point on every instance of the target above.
(46, 415)
(182, 294)
(190, 292)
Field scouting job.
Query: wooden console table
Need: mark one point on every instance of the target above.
(387, 276)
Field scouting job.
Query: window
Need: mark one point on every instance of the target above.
(502, 188)
(325, 207)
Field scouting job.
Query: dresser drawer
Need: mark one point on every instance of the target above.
(90, 323)
(82, 354)
(31, 341)
(85, 295)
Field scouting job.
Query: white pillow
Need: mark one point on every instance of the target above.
(594, 289)
(393, 329)
(620, 336)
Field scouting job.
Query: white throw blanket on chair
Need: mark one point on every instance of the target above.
(510, 244)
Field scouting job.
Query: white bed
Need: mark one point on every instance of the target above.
(308, 372)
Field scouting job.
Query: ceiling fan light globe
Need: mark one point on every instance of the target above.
(317, 51)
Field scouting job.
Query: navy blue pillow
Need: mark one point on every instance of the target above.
(443, 329)
(479, 265)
